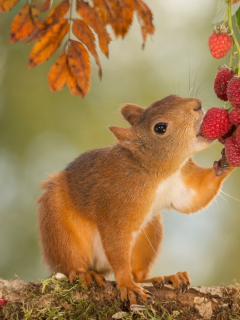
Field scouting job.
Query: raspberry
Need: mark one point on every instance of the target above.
(238, 136)
(219, 44)
(233, 92)
(215, 123)
(234, 117)
(220, 83)
(2, 302)
(227, 135)
(232, 151)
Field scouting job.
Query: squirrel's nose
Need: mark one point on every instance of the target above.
(198, 107)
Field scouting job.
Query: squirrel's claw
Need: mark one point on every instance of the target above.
(221, 166)
(88, 278)
(180, 281)
(130, 293)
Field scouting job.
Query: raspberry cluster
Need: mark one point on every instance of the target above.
(224, 124)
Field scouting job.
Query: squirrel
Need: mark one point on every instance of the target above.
(101, 214)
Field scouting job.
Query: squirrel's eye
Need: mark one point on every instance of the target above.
(160, 128)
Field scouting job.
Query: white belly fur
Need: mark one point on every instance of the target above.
(170, 193)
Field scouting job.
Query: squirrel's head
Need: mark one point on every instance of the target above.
(168, 130)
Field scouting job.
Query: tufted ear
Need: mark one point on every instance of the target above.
(123, 135)
(131, 112)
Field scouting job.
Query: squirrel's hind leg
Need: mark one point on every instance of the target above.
(66, 236)
(146, 248)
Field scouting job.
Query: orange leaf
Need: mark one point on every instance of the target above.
(79, 63)
(46, 5)
(73, 85)
(127, 11)
(85, 35)
(7, 5)
(145, 18)
(48, 44)
(103, 10)
(91, 18)
(54, 17)
(38, 34)
(57, 76)
(121, 15)
(23, 24)
(58, 13)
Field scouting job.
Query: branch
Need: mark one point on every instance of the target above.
(55, 298)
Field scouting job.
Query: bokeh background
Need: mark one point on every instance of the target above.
(42, 132)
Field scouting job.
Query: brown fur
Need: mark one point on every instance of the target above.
(110, 191)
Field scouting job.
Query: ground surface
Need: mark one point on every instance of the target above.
(57, 299)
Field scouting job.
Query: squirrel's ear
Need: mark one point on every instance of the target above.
(131, 112)
(123, 135)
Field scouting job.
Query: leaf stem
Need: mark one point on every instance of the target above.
(232, 33)
(70, 19)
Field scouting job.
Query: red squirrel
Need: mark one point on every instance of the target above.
(101, 214)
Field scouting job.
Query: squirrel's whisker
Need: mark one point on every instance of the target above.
(148, 240)
(229, 195)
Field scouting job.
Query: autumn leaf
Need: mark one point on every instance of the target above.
(58, 13)
(7, 5)
(73, 85)
(54, 17)
(145, 18)
(46, 5)
(73, 66)
(91, 18)
(121, 15)
(24, 23)
(57, 76)
(127, 14)
(103, 10)
(48, 44)
(79, 63)
(85, 35)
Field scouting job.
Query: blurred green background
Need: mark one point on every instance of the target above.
(41, 132)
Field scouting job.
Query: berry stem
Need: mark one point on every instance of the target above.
(232, 33)
(232, 56)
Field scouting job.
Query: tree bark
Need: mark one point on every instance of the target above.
(55, 298)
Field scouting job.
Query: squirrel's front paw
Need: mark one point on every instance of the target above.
(221, 166)
(130, 293)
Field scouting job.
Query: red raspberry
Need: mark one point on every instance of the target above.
(2, 302)
(227, 135)
(220, 83)
(215, 123)
(238, 136)
(219, 44)
(234, 117)
(232, 151)
(233, 92)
